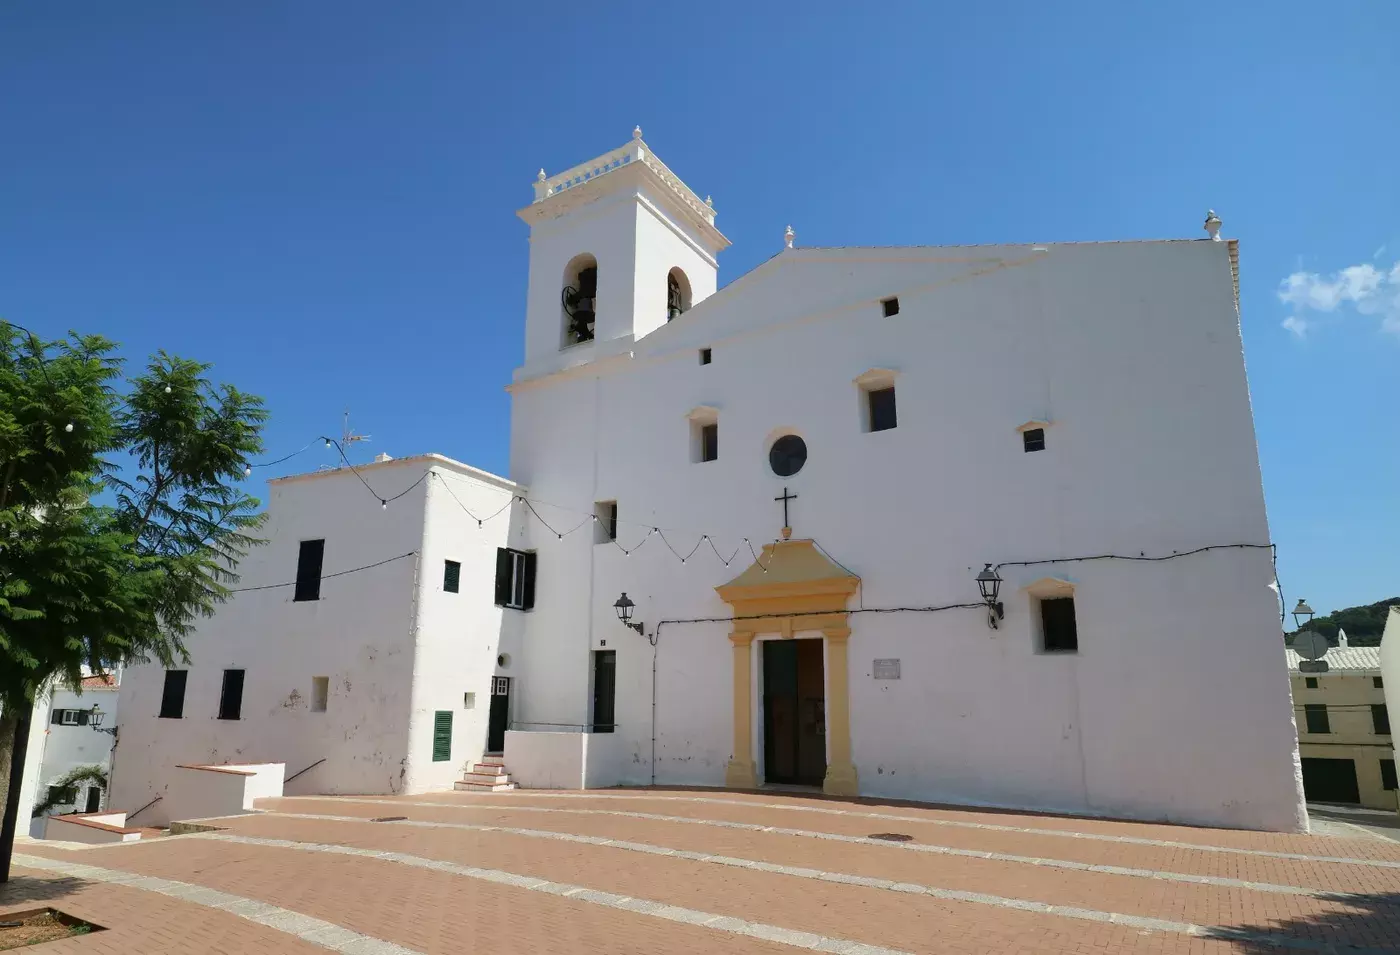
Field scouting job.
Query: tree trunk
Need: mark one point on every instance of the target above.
(7, 743)
(18, 721)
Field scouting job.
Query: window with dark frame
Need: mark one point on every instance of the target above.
(706, 355)
(709, 442)
(1380, 719)
(1033, 439)
(231, 697)
(1310, 682)
(1378, 682)
(172, 697)
(70, 717)
(309, 559)
(1315, 715)
(63, 795)
(1388, 775)
(515, 578)
(890, 306)
(1059, 634)
(451, 576)
(880, 408)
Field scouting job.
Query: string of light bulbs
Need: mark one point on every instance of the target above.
(588, 520)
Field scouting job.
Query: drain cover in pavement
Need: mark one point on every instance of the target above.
(891, 836)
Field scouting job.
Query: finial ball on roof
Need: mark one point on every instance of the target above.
(636, 132)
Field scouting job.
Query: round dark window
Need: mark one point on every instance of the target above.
(787, 455)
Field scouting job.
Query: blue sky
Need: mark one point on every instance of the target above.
(319, 196)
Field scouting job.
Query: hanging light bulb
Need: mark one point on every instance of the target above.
(167, 389)
(383, 504)
(328, 442)
(68, 427)
(247, 471)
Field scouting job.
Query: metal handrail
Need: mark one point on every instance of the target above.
(580, 727)
(306, 770)
(132, 815)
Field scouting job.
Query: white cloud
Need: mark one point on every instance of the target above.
(1363, 288)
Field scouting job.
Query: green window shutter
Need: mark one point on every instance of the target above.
(442, 736)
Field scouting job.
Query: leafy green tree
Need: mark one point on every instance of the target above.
(122, 520)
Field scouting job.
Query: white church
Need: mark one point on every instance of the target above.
(975, 524)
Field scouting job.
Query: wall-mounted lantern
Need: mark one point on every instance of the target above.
(989, 583)
(95, 719)
(1302, 614)
(624, 608)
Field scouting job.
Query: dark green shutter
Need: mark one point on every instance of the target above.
(527, 602)
(451, 576)
(503, 567)
(442, 736)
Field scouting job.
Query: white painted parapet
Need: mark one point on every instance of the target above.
(199, 792)
(94, 828)
(570, 760)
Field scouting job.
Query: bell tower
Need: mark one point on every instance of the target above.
(619, 246)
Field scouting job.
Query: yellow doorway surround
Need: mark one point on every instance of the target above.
(793, 587)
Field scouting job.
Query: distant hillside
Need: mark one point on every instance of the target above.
(1362, 624)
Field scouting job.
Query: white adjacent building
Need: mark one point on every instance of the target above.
(879, 424)
(63, 740)
(360, 646)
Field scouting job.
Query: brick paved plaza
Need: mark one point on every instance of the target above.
(698, 871)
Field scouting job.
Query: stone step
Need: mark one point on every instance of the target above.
(490, 779)
(463, 785)
(489, 760)
(488, 769)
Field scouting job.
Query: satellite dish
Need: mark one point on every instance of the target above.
(1310, 645)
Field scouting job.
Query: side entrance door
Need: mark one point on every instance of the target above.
(604, 690)
(500, 715)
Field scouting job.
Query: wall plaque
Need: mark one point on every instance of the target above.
(887, 669)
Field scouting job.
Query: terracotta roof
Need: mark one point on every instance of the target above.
(100, 681)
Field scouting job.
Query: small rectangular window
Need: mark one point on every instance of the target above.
(1033, 439)
(172, 698)
(1388, 774)
(309, 570)
(1058, 626)
(63, 795)
(1378, 682)
(469, 700)
(451, 576)
(604, 522)
(709, 442)
(442, 736)
(1316, 717)
(515, 578)
(69, 718)
(1380, 719)
(890, 306)
(231, 699)
(705, 356)
(1310, 682)
(320, 693)
(881, 406)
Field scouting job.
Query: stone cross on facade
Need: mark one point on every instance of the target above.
(787, 525)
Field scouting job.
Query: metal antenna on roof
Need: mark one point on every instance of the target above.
(348, 437)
